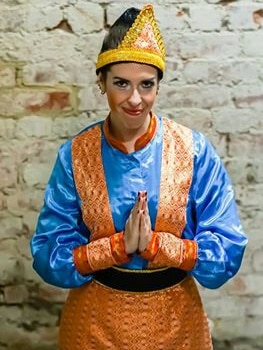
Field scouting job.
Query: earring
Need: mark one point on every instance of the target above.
(101, 91)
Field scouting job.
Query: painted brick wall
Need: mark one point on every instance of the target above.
(48, 92)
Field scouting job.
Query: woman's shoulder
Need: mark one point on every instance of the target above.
(200, 141)
(65, 148)
(89, 127)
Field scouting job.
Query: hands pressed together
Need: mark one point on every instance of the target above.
(138, 231)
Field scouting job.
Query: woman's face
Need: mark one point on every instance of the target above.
(131, 90)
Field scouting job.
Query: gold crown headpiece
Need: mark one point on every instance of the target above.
(142, 43)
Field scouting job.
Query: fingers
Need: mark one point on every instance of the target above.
(142, 200)
(145, 234)
(145, 226)
(132, 227)
(143, 209)
(138, 225)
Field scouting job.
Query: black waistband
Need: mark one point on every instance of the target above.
(139, 280)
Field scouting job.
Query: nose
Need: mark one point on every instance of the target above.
(135, 98)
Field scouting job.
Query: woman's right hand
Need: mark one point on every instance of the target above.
(132, 227)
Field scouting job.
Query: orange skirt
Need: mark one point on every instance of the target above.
(96, 317)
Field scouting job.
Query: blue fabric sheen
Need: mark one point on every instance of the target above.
(59, 229)
(211, 214)
(218, 232)
(127, 174)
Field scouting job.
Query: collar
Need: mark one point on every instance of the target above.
(140, 142)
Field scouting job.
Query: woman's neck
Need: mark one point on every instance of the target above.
(133, 141)
(128, 135)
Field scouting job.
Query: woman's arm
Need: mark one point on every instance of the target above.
(214, 242)
(62, 253)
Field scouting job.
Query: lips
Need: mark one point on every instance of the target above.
(132, 111)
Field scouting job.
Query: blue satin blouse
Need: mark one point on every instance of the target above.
(211, 215)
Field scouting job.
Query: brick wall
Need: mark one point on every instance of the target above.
(48, 92)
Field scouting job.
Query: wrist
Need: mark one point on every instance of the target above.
(129, 247)
(152, 247)
(118, 248)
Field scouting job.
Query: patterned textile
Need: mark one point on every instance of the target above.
(177, 169)
(91, 316)
(205, 216)
(90, 194)
(90, 183)
(99, 318)
(175, 183)
(143, 43)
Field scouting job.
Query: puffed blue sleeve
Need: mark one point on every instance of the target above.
(217, 229)
(60, 228)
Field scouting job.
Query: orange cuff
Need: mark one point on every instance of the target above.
(100, 254)
(80, 257)
(152, 248)
(190, 255)
(118, 248)
(165, 249)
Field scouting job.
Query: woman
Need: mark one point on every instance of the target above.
(136, 208)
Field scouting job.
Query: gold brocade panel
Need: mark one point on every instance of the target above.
(176, 176)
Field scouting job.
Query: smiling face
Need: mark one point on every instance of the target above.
(131, 90)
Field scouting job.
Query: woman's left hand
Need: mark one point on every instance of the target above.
(145, 231)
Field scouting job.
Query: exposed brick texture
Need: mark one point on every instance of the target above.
(48, 92)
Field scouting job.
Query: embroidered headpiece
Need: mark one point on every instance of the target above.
(142, 43)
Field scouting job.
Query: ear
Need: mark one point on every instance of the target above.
(101, 82)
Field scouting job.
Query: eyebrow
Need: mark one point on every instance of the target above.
(120, 78)
(148, 79)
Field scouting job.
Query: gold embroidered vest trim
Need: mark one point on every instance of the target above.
(176, 177)
(90, 183)
(175, 182)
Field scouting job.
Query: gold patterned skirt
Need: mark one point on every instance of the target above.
(97, 317)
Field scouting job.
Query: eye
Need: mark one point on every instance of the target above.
(121, 83)
(148, 84)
